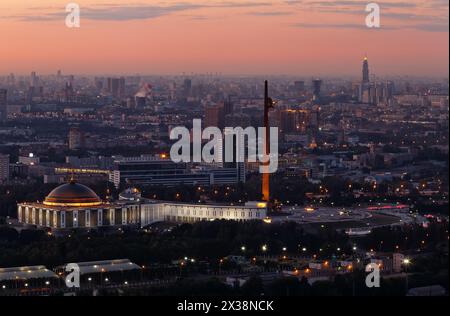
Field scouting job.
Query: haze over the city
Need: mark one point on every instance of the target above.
(308, 37)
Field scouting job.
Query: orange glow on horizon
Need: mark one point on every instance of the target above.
(236, 37)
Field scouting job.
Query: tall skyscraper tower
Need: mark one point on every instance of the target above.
(317, 84)
(187, 87)
(3, 105)
(268, 104)
(365, 70)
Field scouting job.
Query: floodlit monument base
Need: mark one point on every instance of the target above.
(73, 206)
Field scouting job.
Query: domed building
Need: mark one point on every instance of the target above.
(73, 205)
(72, 194)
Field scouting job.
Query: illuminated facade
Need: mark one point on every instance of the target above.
(73, 205)
(188, 213)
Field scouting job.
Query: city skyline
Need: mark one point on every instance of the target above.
(309, 38)
(235, 150)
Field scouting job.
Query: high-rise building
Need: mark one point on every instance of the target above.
(3, 105)
(116, 86)
(34, 79)
(4, 168)
(69, 92)
(317, 84)
(296, 121)
(76, 138)
(238, 161)
(121, 91)
(365, 71)
(187, 87)
(214, 116)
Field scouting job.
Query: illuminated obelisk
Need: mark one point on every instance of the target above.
(268, 104)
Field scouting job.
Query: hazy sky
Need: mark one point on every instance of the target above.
(305, 37)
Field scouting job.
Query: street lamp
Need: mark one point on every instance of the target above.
(406, 263)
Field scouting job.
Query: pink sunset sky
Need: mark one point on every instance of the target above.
(304, 37)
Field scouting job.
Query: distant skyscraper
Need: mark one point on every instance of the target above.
(34, 79)
(3, 105)
(4, 168)
(365, 71)
(317, 84)
(296, 121)
(214, 116)
(69, 92)
(116, 86)
(187, 87)
(121, 87)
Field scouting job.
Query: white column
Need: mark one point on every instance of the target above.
(75, 218)
(88, 218)
(27, 214)
(124, 216)
(47, 218)
(40, 217)
(112, 217)
(99, 217)
(19, 213)
(55, 219)
(63, 219)
(33, 216)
